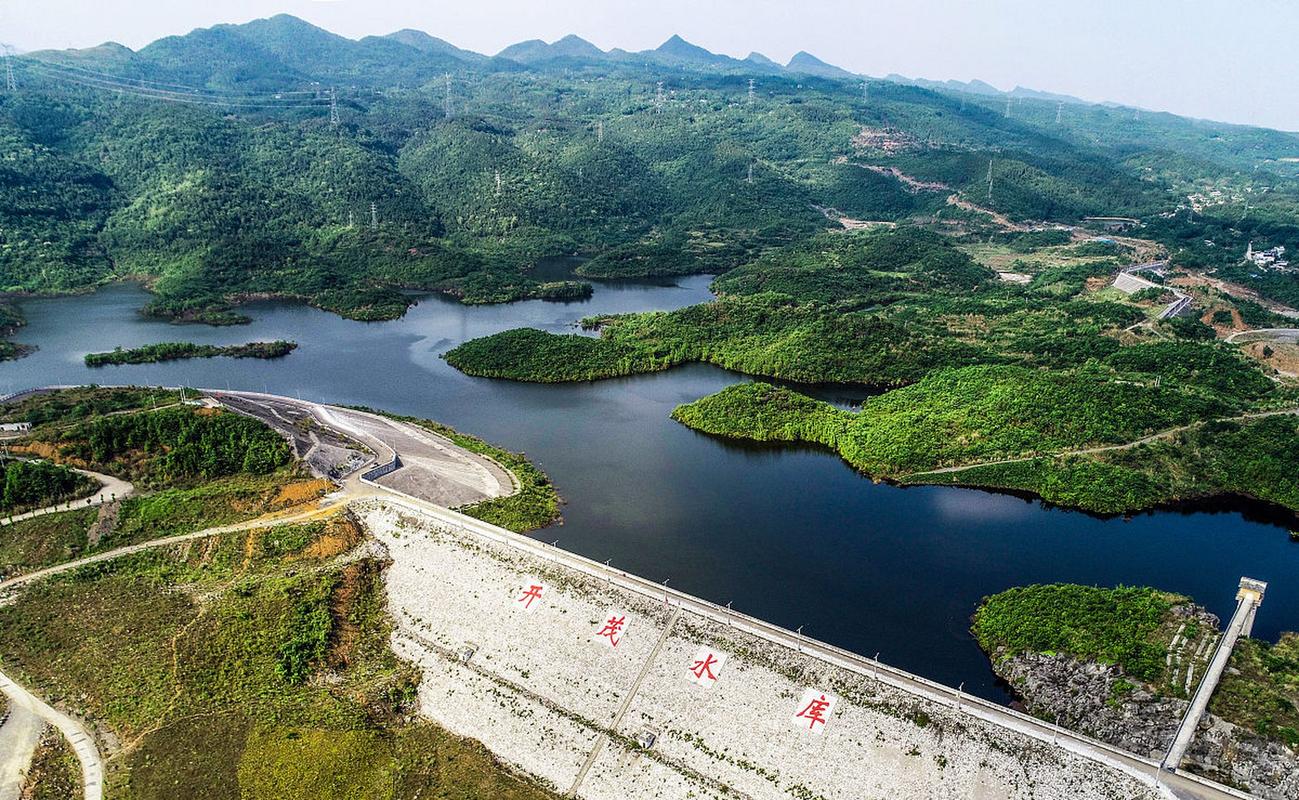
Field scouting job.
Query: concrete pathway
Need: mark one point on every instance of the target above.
(1265, 335)
(109, 488)
(83, 743)
(19, 736)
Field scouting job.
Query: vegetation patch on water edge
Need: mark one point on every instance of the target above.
(176, 351)
(1111, 626)
(1075, 439)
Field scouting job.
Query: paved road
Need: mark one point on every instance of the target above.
(83, 743)
(19, 735)
(109, 488)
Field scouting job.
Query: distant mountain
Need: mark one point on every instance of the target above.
(425, 43)
(678, 51)
(978, 87)
(535, 51)
(284, 51)
(804, 63)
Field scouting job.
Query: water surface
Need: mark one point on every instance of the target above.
(792, 535)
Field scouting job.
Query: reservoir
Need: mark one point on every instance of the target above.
(791, 535)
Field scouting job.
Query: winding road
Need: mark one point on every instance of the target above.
(110, 489)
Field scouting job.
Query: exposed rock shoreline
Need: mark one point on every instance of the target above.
(1101, 701)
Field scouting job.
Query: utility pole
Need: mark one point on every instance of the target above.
(750, 91)
(333, 106)
(446, 102)
(374, 215)
(658, 99)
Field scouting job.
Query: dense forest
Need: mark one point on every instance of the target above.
(206, 164)
(32, 484)
(176, 445)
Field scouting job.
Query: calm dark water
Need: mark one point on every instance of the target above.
(790, 535)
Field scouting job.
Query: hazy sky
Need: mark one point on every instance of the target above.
(1220, 59)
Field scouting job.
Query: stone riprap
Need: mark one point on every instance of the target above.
(548, 694)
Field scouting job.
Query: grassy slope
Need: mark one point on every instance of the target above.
(55, 772)
(43, 541)
(247, 668)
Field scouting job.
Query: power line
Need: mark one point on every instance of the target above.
(170, 96)
(145, 83)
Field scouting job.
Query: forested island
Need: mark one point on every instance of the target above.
(1121, 663)
(176, 351)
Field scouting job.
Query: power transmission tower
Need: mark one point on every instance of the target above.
(1008, 99)
(599, 130)
(333, 106)
(10, 84)
(351, 219)
(498, 183)
(1059, 112)
(374, 215)
(990, 180)
(658, 99)
(865, 92)
(446, 102)
(750, 91)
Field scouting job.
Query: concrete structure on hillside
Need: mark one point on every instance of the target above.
(605, 692)
(1248, 599)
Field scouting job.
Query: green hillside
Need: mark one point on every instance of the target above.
(206, 164)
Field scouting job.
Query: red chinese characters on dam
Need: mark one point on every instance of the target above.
(814, 711)
(613, 629)
(706, 667)
(528, 597)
